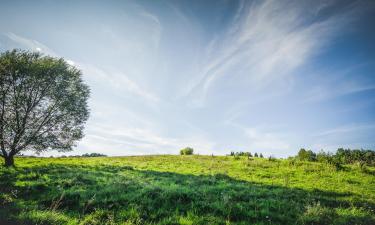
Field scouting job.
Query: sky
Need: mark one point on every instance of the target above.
(219, 76)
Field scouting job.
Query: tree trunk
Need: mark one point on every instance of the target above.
(9, 161)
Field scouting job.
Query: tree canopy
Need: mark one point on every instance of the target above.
(43, 104)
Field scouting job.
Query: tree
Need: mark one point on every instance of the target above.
(306, 155)
(187, 151)
(255, 154)
(43, 104)
(261, 155)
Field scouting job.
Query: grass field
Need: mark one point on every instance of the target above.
(184, 190)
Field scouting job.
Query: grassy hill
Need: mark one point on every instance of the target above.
(184, 190)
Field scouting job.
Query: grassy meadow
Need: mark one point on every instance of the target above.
(170, 189)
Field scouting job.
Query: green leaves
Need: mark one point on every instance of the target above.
(43, 103)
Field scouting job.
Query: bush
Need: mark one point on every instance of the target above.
(187, 151)
(99, 217)
(335, 163)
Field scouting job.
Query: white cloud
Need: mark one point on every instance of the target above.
(265, 138)
(346, 129)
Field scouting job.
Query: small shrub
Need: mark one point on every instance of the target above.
(99, 217)
(361, 165)
(187, 151)
(272, 159)
(47, 217)
(318, 215)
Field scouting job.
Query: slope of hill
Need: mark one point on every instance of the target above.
(184, 190)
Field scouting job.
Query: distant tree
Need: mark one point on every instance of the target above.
(255, 154)
(261, 155)
(43, 104)
(187, 151)
(93, 155)
(243, 154)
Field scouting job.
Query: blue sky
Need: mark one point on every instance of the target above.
(219, 76)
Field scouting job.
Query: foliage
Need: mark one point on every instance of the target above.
(93, 155)
(306, 155)
(356, 155)
(342, 156)
(187, 151)
(184, 190)
(43, 104)
(248, 154)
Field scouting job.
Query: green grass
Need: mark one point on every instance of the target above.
(184, 190)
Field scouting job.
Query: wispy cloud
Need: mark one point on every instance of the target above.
(156, 27)
(266, 42)
(346, 129)
(30, 44)
(337, 84)
(117, 80)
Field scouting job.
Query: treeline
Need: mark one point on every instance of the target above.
(248, 154)
(342, 156)
(83, 155)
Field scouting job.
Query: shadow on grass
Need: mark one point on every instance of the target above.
(118, 194)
